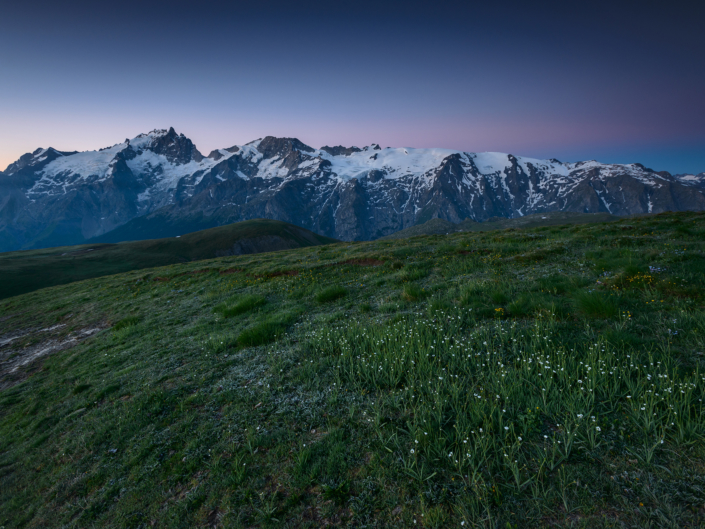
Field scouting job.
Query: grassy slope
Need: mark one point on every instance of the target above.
(536, 220)
(530, 378)
(25, 271)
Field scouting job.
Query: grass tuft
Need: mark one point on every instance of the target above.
(126, 322)
(499, 297)
(596, 305)
(438, 304)
(330, 294)
(242, 305)
(80, 388)
(266, 331)
(523, 305)
(412, 292)
(413, 273)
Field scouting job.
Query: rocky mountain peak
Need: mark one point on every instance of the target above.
(272, 147)
(643, 168)
(177, 148)
(35, 160)
(340, 150)
(691, 179)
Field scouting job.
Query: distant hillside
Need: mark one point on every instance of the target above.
(443, 227)
(26, 271)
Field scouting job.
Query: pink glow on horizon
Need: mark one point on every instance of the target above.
(528, 138)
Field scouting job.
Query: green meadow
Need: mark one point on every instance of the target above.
(536, 377)
(28, 270)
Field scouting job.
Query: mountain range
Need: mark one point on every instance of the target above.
(159, 185)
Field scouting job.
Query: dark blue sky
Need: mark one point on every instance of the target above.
(614, 81)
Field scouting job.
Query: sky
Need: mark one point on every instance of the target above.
(616, 81)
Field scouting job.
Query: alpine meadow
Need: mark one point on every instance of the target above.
(356, 264)
(546, 376)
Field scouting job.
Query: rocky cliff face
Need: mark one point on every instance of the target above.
(159, 184)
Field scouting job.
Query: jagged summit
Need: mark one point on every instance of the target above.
(35, 158)
(177, 148)
(691, 179)
(49, 197)
(340, 150)
(271, 147)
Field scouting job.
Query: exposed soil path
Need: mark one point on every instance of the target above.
(16, 360)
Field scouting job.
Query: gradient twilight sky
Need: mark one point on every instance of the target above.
(617, 81)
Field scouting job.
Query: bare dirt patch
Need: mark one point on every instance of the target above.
(360, 262)
(270, 275)
(16, 361)
(282, 273)
(231, 271)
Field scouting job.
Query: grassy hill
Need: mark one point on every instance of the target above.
(536, 220)
(548, 377)
(26, 271)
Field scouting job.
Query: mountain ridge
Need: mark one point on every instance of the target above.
(161, 182)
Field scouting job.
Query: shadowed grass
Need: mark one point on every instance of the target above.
(265, 331)
(330, 294)
(413, 273)
(523, 306)
(554, 284)
(126, 322)
(412, 292)
(499, 297)
(25, 271)
(242, 305)
(596, 305)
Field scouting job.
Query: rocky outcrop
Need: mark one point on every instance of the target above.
(340, 150)
(176, 148)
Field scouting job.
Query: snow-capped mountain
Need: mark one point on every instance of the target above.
(691, 179)
(159, 184)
